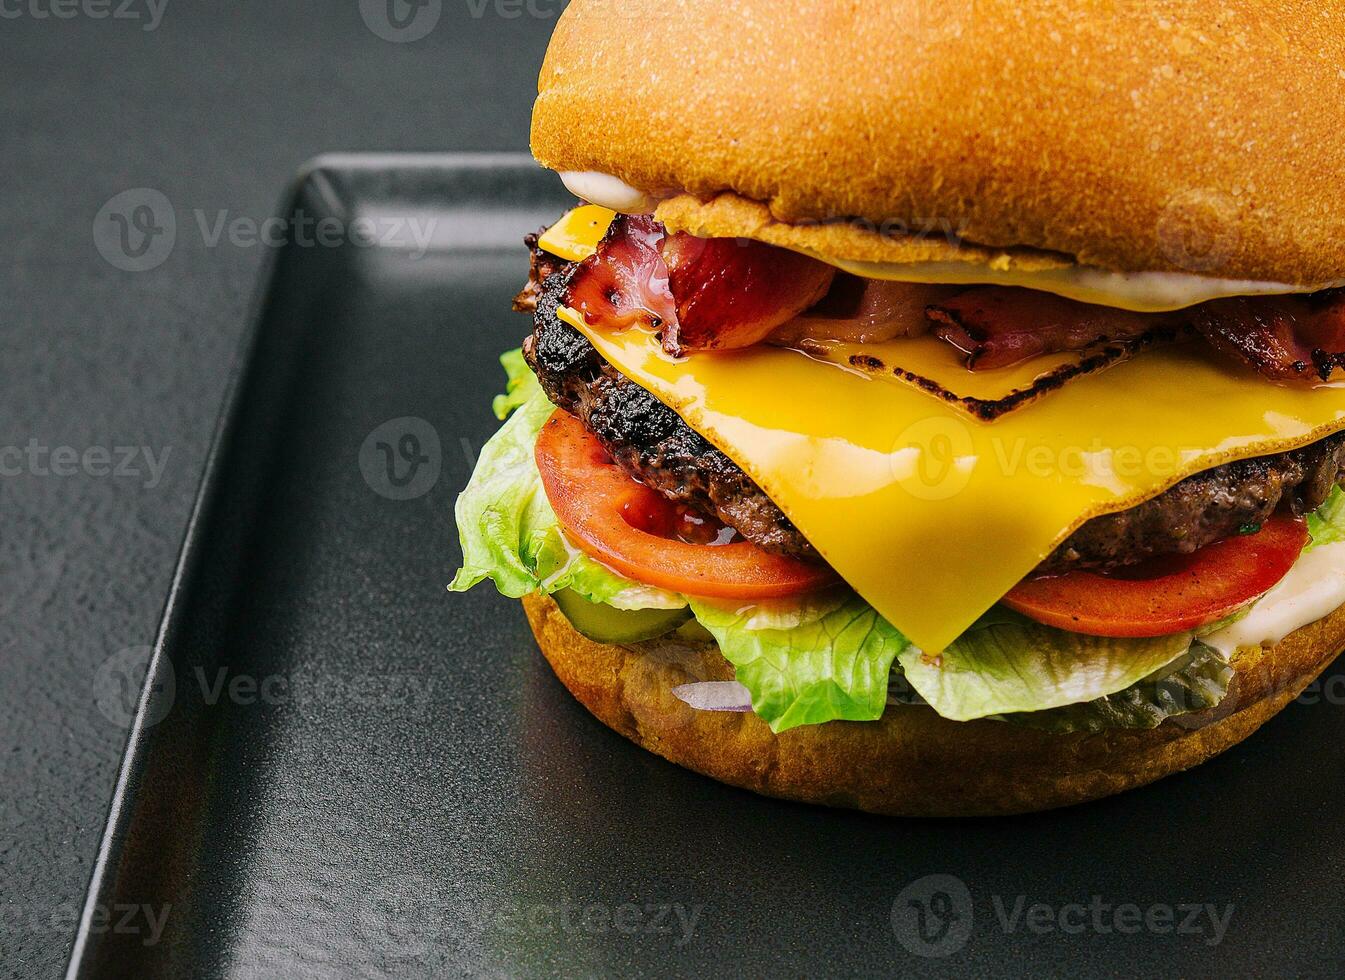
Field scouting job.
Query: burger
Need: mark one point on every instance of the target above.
(930, 408)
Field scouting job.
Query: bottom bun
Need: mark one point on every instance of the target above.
(911, 762)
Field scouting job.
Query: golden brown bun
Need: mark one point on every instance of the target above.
(1201, 136)
(912, 762)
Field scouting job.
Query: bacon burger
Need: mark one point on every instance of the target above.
(935, 409)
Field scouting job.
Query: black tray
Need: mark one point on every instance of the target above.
(400, 787)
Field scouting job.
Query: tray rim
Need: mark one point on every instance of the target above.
(80, 961)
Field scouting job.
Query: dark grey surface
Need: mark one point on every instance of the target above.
(402, 788)
(216, 108)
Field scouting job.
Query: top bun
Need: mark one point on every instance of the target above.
(1137, 135)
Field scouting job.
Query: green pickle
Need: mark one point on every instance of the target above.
(601, 622)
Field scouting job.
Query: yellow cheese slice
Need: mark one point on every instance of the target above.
(575, 236)
(931, 515)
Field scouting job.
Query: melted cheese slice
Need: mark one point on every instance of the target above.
(576, 235)
(931, 515)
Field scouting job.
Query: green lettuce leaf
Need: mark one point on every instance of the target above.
(808, 668)
(1327, 523)
(507, 528)
(1006, 664)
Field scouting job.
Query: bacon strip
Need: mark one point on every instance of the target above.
(700, 293)
(734, 292)
(996, 326)
(1286, 338)
(726, 293)
(625, 283)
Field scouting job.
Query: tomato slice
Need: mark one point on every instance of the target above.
(1166, 595)
(636, 531)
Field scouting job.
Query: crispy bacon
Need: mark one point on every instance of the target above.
(724, 293)
(700, 293)
(625, 283)
(733, 292)
(864, 311)
(996, 326)
(1286, 338)
(540, 265)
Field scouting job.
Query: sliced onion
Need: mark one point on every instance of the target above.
(714, 696)
(864, 311)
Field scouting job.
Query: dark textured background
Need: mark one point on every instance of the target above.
(216, 108)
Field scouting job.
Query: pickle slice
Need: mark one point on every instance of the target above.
(606, 624)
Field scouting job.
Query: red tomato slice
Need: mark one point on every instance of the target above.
(634, 530)
(1166, 595)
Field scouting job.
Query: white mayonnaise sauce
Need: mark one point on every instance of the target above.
(1143, 292)
(1314, 587)
(610, 192)
(1146, 292)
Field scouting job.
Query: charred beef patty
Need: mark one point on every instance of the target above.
(652, 443)
(647, 438)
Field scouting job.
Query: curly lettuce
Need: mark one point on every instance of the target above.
(812, 668)
(1326, 525)
(507, 529)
